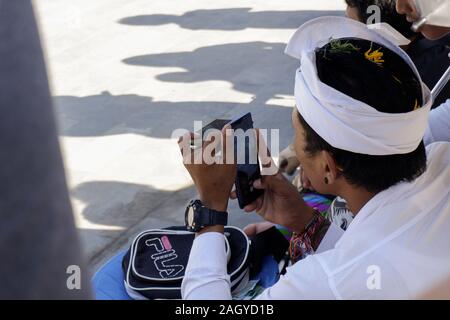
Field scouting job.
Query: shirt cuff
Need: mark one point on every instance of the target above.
(208, 251)
(206, 275)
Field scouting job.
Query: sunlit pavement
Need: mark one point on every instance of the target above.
(126, 73)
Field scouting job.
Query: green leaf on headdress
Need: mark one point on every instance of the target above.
(338, 46)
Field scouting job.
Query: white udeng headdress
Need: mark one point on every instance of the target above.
(343, 122)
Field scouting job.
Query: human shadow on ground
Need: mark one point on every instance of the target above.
(231, 19)
(107, 114)
(258, 68)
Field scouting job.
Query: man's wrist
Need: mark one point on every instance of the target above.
(217, 205)
(220, 206)
(302, 221)
(220, 229)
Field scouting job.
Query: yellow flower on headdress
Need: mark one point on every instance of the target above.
(374, 56)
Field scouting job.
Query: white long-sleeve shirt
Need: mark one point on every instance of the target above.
(212, 279)
(396, 247)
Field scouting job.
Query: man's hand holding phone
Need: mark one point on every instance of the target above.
(213, 181)
(280, 203)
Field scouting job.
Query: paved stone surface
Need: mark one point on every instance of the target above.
(126, 73)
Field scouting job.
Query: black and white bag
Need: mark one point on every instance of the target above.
(155, 264)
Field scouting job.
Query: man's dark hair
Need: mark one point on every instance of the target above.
(385, 83)
(388, 14)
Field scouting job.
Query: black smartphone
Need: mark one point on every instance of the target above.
(246, 155)
(217, 124)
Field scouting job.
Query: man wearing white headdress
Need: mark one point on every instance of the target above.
(351, 129)
(433, 21)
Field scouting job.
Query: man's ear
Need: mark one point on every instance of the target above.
(330, 167)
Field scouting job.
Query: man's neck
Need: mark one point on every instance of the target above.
(356, 198)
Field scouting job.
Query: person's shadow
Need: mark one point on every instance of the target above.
(107, 114)
(232, 19)
(259, 68)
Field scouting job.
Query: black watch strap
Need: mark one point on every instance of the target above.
(211, 217)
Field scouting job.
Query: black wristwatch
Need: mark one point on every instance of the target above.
(197, 216)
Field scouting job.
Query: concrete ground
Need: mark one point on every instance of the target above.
(126, 73)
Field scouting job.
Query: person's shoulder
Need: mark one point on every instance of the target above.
(434, 53)
(422, 45)
(439, 149)
(438, 162)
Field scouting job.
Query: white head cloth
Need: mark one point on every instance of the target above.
(343, 122)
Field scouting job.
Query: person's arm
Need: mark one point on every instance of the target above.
(305, 280)
(206, 273)
(206, 276)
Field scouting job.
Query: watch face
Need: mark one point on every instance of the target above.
(190, 216)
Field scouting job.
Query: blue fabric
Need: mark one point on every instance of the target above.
(268, 275)
(108, 282)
